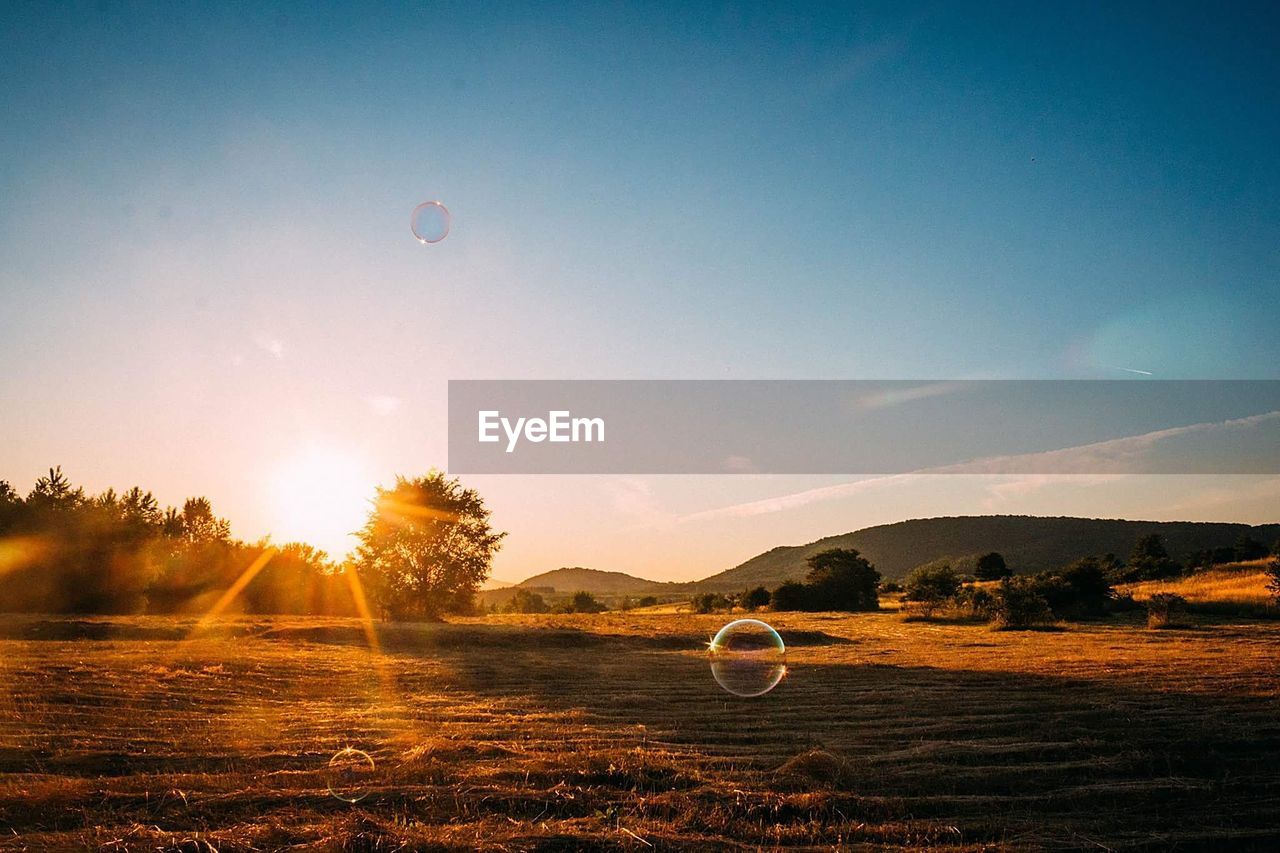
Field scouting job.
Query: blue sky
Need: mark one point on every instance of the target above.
(204, 230)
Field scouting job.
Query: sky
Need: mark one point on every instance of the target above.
(208, 284)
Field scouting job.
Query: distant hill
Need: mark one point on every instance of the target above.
(559, 584)
(1028, 543)
(596, 582)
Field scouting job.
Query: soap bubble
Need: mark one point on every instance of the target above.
(748, 658)
(430, 222)
(348, 775)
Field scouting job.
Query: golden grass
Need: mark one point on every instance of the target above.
(1239, 583)
(608, 732)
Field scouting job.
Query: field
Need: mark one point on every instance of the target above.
(1238, 587)
(608, 732)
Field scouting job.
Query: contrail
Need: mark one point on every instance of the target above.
(1135, 370)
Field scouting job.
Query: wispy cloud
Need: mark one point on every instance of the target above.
(1094, 463)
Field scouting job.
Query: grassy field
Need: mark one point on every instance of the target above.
(608, 732)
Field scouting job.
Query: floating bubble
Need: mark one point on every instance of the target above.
(349, 774)
(748, 658)
(430, 222)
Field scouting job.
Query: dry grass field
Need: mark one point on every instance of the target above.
(608, 732)
(1243, 584)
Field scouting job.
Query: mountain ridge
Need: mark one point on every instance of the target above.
(1030, 543)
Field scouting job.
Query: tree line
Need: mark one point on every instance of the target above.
(424, 550)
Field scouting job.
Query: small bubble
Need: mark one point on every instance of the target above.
(348, 775)
(430, 222)
(748, 658)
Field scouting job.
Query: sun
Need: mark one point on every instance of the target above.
(320, 496)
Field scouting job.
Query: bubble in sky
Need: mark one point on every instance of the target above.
(748, 658)
(430, 222)
(349, 774)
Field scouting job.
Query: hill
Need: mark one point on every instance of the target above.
(596, 582)
(1028, 543)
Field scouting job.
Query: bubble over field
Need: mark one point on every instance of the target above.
(748, 658)
(349, 774)
(430, 222)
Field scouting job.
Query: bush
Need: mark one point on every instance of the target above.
(973, 602)
(842, 579)
(932, 582)
(583, 602)
(1019, 604)
(525, 601)
(791, 596)
(753, 599)
(647, 601)
(992, 567)
(1166, 610)
(890, 586)
(709, 602)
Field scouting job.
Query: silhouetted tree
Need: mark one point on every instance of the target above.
(584, 602)
(1150, 561)
(842, 579)
(791, 596)
(426, 547)
(754, 599)
(1248, 548)
(991, 567)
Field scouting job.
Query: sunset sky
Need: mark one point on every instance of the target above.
(208, 284)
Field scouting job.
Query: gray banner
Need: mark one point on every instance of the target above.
(864, 426)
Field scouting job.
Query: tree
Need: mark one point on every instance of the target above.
(1247, 548)
(1150, 561)
(1273, 579)
(426, 547)
(791, 596)
(842, 579)
(754, 599)
(1088, 589)
(526, 601)
(708, 602)
(1018, 604)
(932, 583)
(992, 567)
(584, 602)
(647, 601)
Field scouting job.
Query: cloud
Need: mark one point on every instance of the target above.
(1088, 464)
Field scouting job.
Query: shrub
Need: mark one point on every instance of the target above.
(647, 601)
(932, 582)
(890, 586)
(791, 596)
(992, 567)
(709, 602)
(583, 602)
(973, 602)
(842, 579)
(1166, 610)
(754, 599)
(525, 601)
(1019, 604)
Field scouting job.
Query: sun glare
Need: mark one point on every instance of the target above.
(321, 497)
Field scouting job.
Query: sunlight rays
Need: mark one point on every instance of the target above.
(235, 589)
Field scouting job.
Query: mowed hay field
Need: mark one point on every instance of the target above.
(608, 732)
